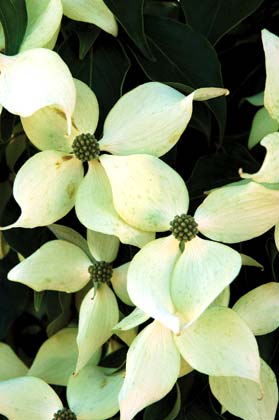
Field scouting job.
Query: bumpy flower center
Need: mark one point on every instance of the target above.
(100, 272)
(64, 414)
(184, 227)
(86, 147)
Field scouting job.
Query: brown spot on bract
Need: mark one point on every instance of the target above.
(71, 189)
(57, 164)
(67, 157)
(104, 382)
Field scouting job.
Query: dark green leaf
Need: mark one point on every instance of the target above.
(114, 360)
(130, 15)
(183, 56)
(13, 296)
(13, 17)
(87, 35)
(221, 168)
(168, 8)
(214, 18)
(96, 70)
(108, 84)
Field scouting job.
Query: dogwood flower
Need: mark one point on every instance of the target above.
(218, 343)
(191, 271)
(149, 119)
(69, 268)
(244, 384)
(248, 208)
(91, 395)
(266, 119)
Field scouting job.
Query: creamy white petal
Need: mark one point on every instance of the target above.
(103, 247)
(271, 51)
(45, 188)
(200, 274)
(28, 398)
(56, 359)
(150, 119)
(70, 235)
(93, 393)
(98, 315)
(119, 283)
(250, 262)
(269, 172)
(91, 11)
(135, 318)
(238, 212)
(95, 209)
(47, 128)
(262, 125)
(223, 299)
(149, 280)
(10, 364)
(44, 18)
(152, 368)
(57, 265)
(147, 193)
(245, 398)
(259, 308)
(34, 79)
(220, 343)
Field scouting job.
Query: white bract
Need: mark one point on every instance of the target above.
(266, 119)
(148, 120)
(245, 209)
(91, 395)
(191, 273)
(68, 270)
(218, 343)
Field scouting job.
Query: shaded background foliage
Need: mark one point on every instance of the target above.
(187, 44)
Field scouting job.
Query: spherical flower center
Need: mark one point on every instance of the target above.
(64, 414)
(86, 147)
(100, 272)
(184, 227)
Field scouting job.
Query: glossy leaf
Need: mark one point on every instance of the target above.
(215, 18)
(130, 15)
(172, 43)
(13, 17)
